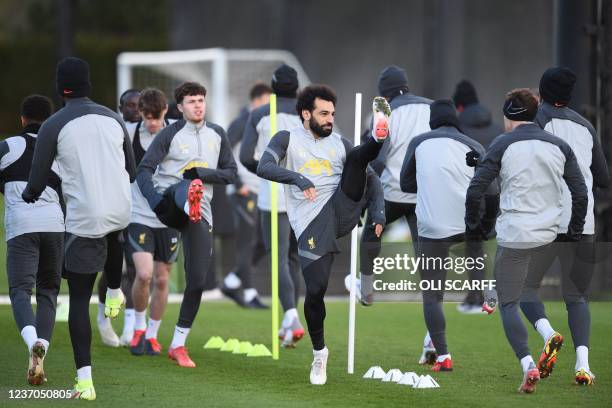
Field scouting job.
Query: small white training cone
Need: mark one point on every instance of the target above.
(393, 375)
(435, 383)
(409, 378)
(425, 382)
(375, 372)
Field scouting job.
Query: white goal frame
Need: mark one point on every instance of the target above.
(219, 57)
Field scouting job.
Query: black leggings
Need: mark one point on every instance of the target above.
(80, 288)
(354, 176)
(113, 269)
(316, 276)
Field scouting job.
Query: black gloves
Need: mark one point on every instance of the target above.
(471, 158)
(476, 234)
(191, 174)
(483, 232)
(28, 197)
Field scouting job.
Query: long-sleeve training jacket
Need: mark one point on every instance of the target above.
(92, 149)
(256, 139)
(533, 166)
(299, 160)
(577, 132)
(182, 146)
(435, 169)
(409, 118)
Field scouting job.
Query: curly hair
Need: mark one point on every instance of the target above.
(306, 98)
(188, 89)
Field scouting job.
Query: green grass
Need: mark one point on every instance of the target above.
(388, 334)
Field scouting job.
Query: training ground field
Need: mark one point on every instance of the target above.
(388, 334)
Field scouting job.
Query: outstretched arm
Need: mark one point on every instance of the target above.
(269, 166)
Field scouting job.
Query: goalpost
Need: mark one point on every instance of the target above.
(227, 74)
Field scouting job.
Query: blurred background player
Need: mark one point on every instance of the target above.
(243, 195)
(128, 108)
(84, 137)
(256, 138)
(176, 176)
(151, 246)
(128, 105)
(474, 121)
(435, 161)
(409, 118)
(532, 166)
(325, 179)
(577, 260)
(34, 237)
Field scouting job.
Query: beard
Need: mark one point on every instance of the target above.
(318, 129)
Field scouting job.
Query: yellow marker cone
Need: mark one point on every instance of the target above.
(244, 348)
(214, 342)
(230, 345)
(259, 350)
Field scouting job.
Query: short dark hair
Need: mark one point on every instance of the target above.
(306, 98)
(125, 94)
(36, 108)
(524, 97)
(152, 102)
(259, 89)
(188, 89)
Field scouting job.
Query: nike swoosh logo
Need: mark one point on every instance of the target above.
(173, 247)
(515, 111)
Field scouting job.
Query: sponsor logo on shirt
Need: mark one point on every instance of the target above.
(316, 167)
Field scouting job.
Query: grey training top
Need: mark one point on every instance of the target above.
(580, 135)
(141, 212)
(235, 133)
(45, 215)
(256, 138)
(409, 118)
(95, 162)
(532, 166)
(182, 146)
(299, 160)
(435, 162)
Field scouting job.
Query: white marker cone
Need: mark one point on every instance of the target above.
(375, 372)
(409, 378)
(393, 375)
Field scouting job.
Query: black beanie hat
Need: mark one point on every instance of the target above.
(285, 81)
(443, 113)
(72, 78)
(391, 79)
(465, 94)
(556, 85)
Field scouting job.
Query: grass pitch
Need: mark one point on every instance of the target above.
(388, 334)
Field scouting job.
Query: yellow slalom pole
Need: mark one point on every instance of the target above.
(274, 239)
